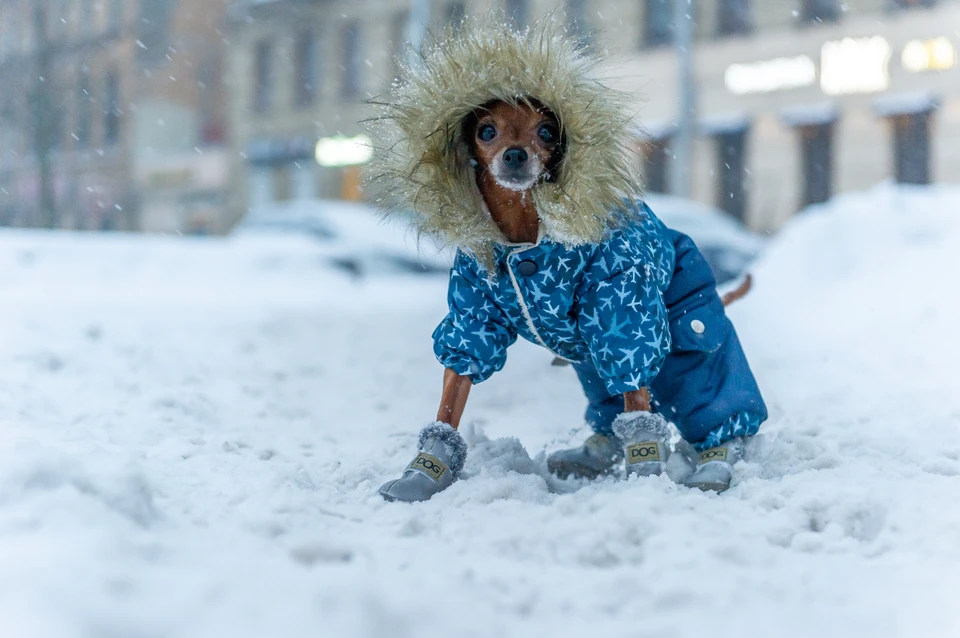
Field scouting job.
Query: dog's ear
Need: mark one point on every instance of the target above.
(555, 165)
(464, 148)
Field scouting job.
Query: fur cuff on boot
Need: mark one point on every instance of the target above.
(451, 439)
(630, 426)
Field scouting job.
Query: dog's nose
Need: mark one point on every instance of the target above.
(514, 157)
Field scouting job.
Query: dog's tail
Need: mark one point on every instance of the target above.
(739, 292)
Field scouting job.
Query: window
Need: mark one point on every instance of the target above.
(154, 26)
(516, 12)
(115, 15)
(48, 116)
(84, 113)
(41, 26)
(577, 25)
(401, 48)
(912, 4)
(56, 123)
(260, 186)
(733, 17)
(656, 164)
(658, 28)
(303, 179)
(305, 69)
(456, 14)
(12, 22)
(262, 76)
(212, 128)
(911, 147)
(86, 20)
(817, 11)
(731, 172)
(816, 151)
(352, 59)
(61, 17)
(111, 102)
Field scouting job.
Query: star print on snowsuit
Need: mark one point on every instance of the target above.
(627, 312)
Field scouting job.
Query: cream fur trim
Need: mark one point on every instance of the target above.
(421, 161)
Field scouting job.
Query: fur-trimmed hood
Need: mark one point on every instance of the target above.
(421, 159)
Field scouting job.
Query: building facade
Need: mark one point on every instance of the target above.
(797, 100)
(117, 117)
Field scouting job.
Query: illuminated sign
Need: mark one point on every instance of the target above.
(343, 151)
(770, 75)
(855, 65)
(937, 54)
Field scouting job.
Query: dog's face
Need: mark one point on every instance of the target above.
(520, 145)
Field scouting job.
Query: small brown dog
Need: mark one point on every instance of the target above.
(510, 147)
(515, 147)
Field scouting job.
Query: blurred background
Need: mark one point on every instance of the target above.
(180, 116)
(193, 428)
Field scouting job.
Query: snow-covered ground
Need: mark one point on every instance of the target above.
(192, 434)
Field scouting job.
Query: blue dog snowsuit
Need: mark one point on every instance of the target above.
(639, 309)
(606, 285)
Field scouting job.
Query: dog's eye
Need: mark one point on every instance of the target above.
(487, 132)
(547, 133)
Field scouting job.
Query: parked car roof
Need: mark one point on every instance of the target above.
(359, 242)
(355, 238)
(727, 244)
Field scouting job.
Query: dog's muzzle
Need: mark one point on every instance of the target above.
(516, 170)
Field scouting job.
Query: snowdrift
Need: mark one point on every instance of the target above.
(192, 434)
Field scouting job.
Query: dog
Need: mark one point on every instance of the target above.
(514, 147)
(555, 248)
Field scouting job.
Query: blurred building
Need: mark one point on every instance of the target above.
(798, 99)
(801, 100)
(299, 72)
(113, 114)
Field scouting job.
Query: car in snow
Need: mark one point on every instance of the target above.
(353, 237)
(357, 241)
(725, 243)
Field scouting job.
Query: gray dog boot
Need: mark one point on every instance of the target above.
(645, 438)
(442, 453)
(598, 455)
(715, 467)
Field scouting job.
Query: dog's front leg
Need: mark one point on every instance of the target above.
(645, 435)
(441, 449)
(453, 399)
(636, 401)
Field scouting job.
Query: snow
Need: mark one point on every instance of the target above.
(722, 124)
(350, 232)
(907, 103)
(708, 226)
(193, 432)
(810, 114)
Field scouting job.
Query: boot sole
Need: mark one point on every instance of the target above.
(647, 469)
(709, 486)
(564, 470)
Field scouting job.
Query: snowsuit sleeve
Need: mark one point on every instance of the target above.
(473, 338)
(622, 315)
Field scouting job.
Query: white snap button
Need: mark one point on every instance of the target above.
(698, 326)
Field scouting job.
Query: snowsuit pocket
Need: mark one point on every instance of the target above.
(701, 329)
(705, 379)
